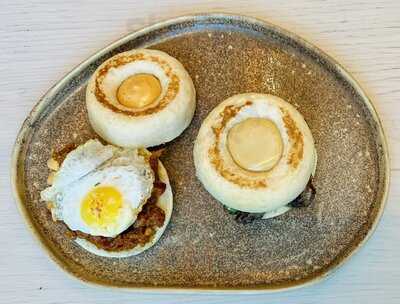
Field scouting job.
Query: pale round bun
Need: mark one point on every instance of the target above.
(159, 122)
(165, 202)
(248, 191)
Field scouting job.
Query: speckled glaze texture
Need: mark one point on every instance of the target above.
(203, 247)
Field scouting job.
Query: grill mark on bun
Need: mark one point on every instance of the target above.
(295, 136)
(215, 155)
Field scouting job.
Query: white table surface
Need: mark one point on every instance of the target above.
(42, 40)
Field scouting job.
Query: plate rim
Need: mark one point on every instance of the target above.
(44, 101)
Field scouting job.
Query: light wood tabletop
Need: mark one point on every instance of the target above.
(42, 40)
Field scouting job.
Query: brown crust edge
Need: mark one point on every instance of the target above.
(121, 59)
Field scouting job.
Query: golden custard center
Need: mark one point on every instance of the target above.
(138, 91)
(255, 144)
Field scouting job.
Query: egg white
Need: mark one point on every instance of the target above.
(79, 162)
(123, 169)
(165, 202)
(127, 180)
(284, 183)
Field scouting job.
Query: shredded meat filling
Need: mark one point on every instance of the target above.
(143, 230)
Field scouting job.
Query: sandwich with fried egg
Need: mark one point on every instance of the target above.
(113, 201)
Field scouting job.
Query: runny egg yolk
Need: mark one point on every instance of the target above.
(138, 91)
(255, 144)
(101, 206)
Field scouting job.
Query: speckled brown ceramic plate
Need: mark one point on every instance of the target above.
(203, 248)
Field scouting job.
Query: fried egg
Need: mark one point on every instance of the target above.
(140, 98)
(255, 153)
(165, 202)
(99, 190)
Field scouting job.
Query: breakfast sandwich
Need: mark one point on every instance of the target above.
(115, 202)
(140, 98)
(255, 154)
